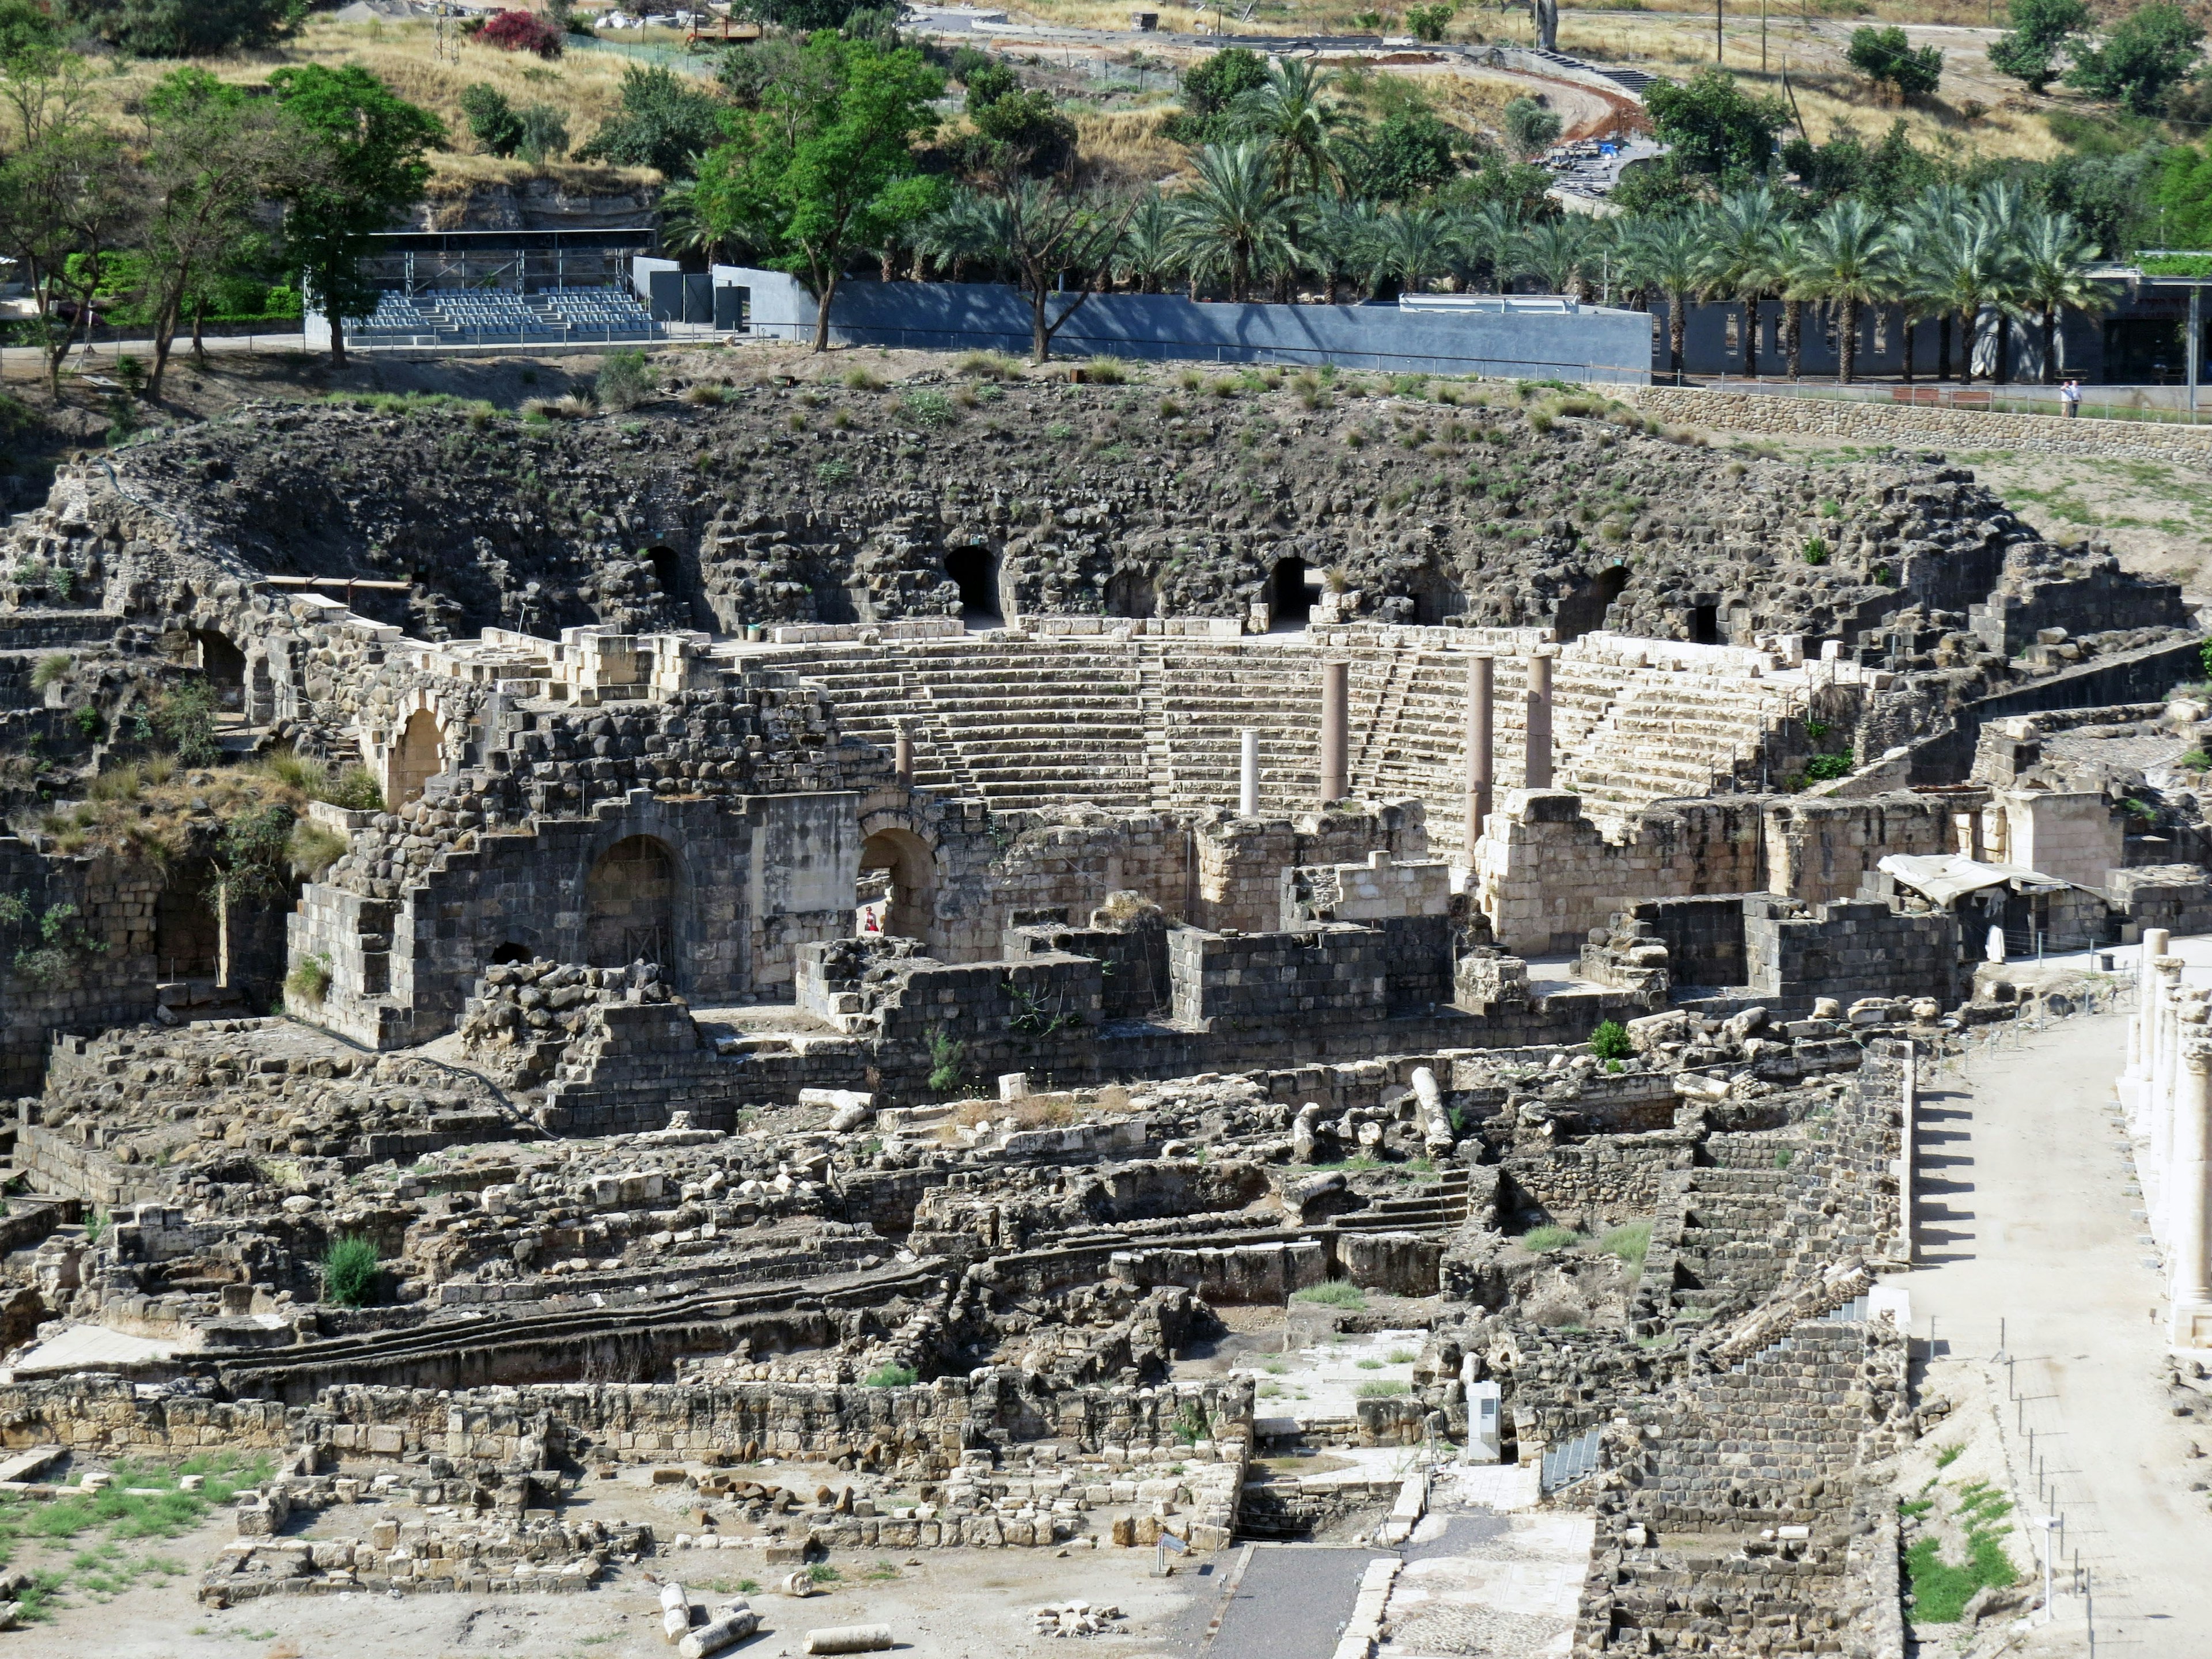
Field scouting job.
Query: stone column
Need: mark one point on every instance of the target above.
(1481, 680)
(2160, 1129)
(1248, 774)
(1335, 741)
(2191, 1168)
(2156, 941)
(1536, 758)
(903, 758)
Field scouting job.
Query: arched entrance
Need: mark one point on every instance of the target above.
(630, 901)
(418, 756)
(1435, 598)
(668, 570)
(224, 664)
(1130, 593)
(1584, 610)
(510, 953)
(1705, 624)
(911, 867)
(976, 575)
(1290, 601)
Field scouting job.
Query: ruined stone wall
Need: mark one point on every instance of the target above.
(77, 950)
(1819, 849)
(1849, 950)
(1547, 875)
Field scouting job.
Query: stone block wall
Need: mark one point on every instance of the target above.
(99, 967)
(2175, 897)
(1239, 860)
(1228, 982)
(1547, 874)
(1848, 951)
(1702, 934)
(1380, 888)
(2076, 836)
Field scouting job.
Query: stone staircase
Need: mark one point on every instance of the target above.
(1669, 736)
(1437, 1206)
(1021, 722)
(1726, 1249)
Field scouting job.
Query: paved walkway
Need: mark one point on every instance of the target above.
(2028, 1213)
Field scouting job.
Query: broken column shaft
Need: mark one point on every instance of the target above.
(1335, 720)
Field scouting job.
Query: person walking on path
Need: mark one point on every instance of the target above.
(2070, 395)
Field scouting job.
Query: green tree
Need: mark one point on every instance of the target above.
(1530, 129)
(830, 166)
(184, 28)
(1740, 257)
(1557, 253)
(1046, 231)
(1714, 126)
(69, 202)
(212, 157)
(1235, 220)
(2041, 30)
(1210, 87)
(492, 120)
(1846, 263)
(26, 29)
(1408, 154)
(2142, 58)
(545, 133)
(1411, 245)
(1886, 56)
(369, 144)
(1429, 22)
(805, 16)
(1294, 113)
(663, 122)
(1669, 254)
(2053, 254)
(1145, 256)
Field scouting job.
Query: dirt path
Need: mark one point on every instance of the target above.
(2028, 1213)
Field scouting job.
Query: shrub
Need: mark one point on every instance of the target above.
(947, 1056)
(1106, 371)
(2195, 760)
(51, 670)
(1382, 1388)
(1816, 550)
(1823, 769)
(309, 980)
(351, 1268)
(891, 1376)
(314, 849)
(492, 120)
(862, 380)
(524, 31)
(1333, 1293)
(185, 717)
(1610, 1041)
(928, 408)
(545, 133)
(1885, 55)
(353, 789)
(1629, 1243)
(1539, 1240)
(989, 365)
(625, 380)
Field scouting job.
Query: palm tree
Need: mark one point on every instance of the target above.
(1147, 255)
(2003, 203)
(1930, 220)
(1779, 274)
(2054, 255)
(1290, 113)
(1490, 236)
(1847, 262)
(1412, 246)
(1910, 290)
(1740, 257)
(1969, 269)
(1557, 254)
(1234, 221)
(1669, 254)
(1338, 243)
(958, 234)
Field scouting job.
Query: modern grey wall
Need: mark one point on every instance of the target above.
(1591, 343)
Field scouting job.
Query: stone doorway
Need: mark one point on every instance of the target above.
(630, 905)
(418, 756)
(1584, 611)
(1290, 600)
(904, 858)
(976, 575)
(224, 664)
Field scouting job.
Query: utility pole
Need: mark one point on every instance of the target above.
(1762, 36)
(1719, 6)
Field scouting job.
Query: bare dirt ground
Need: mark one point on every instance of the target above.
(940, 1604)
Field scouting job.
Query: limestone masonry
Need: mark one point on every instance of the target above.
(835, 974)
